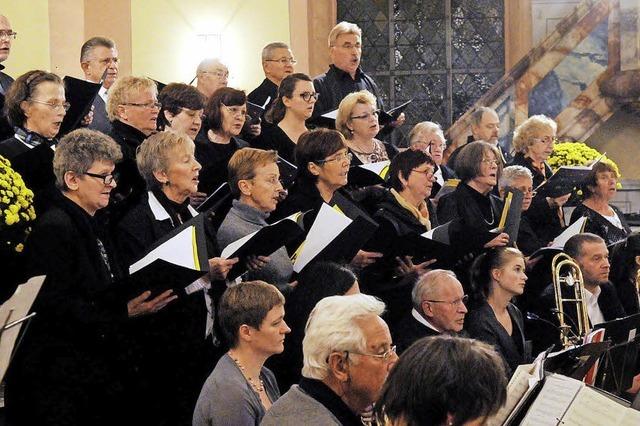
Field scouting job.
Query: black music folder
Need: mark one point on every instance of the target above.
(216, 199)
(564, 180)
(369, 174)
(386, 117)
(288, 172)
(434, 244)
(255, 112)
(263, 242)
(511, 212)
(80, 94)
(173, 262)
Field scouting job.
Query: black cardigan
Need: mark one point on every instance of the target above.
(599, 225)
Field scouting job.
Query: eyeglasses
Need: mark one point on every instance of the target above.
(488, 161)
(366, 116)
(219, 74)
(107, 179)
(349, 46)
(271, 180)
(386, 356)
(547, 140)
(53, 105)
(524, 191)
(339, 157)
(306, 96)
(427, 173)
(8, 34)
(283, 61)
(235, 110)
(435, 145)
(454, 303)
(148, 105)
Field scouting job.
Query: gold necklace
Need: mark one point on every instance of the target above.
(259, 388)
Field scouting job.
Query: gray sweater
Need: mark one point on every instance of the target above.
(227, 398)
(296, 408)
(243, 220)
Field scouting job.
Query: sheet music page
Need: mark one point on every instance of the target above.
(631, 417)
(553, 401)
(331, 114)
(517, 388)
(376, 168)
(571, 230)
(178, 250)
(590, 408)
(328, 224)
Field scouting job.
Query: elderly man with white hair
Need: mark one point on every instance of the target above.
(439, 306)
(520, 178)
(347, 356)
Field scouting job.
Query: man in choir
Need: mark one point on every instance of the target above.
(97, 55)
(345, 74)
(277, 63)
(212, 74)
(438, 307)
(7, 35)
(485, 126)
(592, 256)
(348, 354)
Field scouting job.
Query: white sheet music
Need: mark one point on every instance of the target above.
(631, 417)
(553, 401)
(571, 230)
(178, 250)
(591, 408)
(376, 168)
(331, 114)
(234, 246)
(517, 388)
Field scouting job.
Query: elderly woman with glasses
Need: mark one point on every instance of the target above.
(533, 142)
(254, 179)
(225, 111)
(35, 105)
(291, 109)
(357, 120)
(498, 276)
(133, 109)
(428, 136)
(178, 338)
(66, 369)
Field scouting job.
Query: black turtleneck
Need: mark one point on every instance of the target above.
(179, 212)
(332, 402)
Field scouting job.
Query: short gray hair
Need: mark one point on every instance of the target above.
(427, 286)
(267, 51)
(425, 126)
(87, 48)
(78, 150)
(476, 116)
(153, 154)
(511, 173)
(332, 326)
(343, 28)
(209, 63)
(524, 135)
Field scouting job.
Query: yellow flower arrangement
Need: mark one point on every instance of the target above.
(577, 154)
(16, 208)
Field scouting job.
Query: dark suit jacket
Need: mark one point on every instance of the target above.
(482, 324)
(100, 121)
(408, 330)
(6, 129)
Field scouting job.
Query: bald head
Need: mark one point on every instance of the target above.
(6, 38)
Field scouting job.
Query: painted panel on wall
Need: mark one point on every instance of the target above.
(171, 37)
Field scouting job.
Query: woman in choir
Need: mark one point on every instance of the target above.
(475, 209)
(497, 276)
(241, 389)
(603, 219)
(254, 179)
(625, 268)
(357, 120)
(226, 112)
(67, 369)
(179, 341)
(533, 142)
(35, 105)
(443, 381)
(182, 109)
(290, 110)
(427, 136)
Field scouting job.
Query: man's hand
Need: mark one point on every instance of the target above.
(142, 306)
(219, 267)
(365, 258)
(87, 119)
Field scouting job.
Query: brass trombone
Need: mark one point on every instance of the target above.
(566, 273)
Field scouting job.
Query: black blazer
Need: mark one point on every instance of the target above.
(482, 324)
(68, 368)
(408, 330)
(597, 224)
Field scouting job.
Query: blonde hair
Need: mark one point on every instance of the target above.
(123, 88)
(153, 154)
(343, 27)
(346, 108)
(525, 133)
(243, 163)
(425, 126)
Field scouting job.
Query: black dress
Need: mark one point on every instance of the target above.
(481, 323)
(67, 369)
(214, 158)
(599, 225)
(275, 138)
(175, 356)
